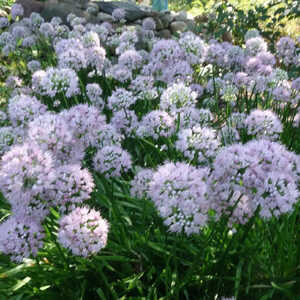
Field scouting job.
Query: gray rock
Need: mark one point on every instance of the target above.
(31, 6)
(92, 8)
(191, 24)
(132, 11)
(181, 16)
(103, 17)
(159, 24)
(178, 26)
(165, 34)
(166, 19)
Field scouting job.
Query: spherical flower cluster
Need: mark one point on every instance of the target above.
(83, 231)
(72, 58)
(256, 45)
(260, 174)
(55, 81)
(84, 121)
(94, 92)
(7, 138)
(125, 122)
(194, 47)
(47, 30)
(17, 10)
(143, 87)
(156, 124)
(119, 73)
(33, 65)
(285, 49)
(140, 184)
(52, 133)
(121, 99)
(112, 161)
(22, 109)
(179, 192)
(177, 96)
(3, 22)
(252, 33)
(149, 24)
(90, 39)
(26, 173)
(197, 143)
(20, 238)
(263, 124)
(3, 117)
(95, 58)
(130, 59)
(71, 186)
(107, 136)
(118, 14)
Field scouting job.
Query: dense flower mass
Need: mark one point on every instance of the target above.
(179, 193)
(83, 231)
(191, 130)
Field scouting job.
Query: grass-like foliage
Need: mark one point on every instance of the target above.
(168, 172)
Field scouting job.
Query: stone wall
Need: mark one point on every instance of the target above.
(167, 23)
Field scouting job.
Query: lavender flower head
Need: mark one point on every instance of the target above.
(285, 49)
(258, 174)
(17, 10)
(4, 22)
(121, 99)
(252, 33)
(23, 109)
(107, 136)
(130, 59)
(118, 14)
(33, 65)
(149, 24)
(83, 231)
(197, 143)
(263, 124)
(140, 184)
(7, 138)
(178, 191)
(125, 122)
(112, 161)
(177, 96)
(55, 81)
(256, 45)
(156, 124)
(20, 238)
(26, 174)
(94, 92)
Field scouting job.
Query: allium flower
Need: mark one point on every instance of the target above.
(256, 45)
(36, 20)
(177, 96)
(90, 39)
(260, 174)
(198, 143)
(281, 93)
(156, 124)
(13, 82)
(194, 47)
(215, 54)
(72, 58)
(17, 10)
(121, 99)
(47, 30)
(55, 81)
(130, 59)
(149, 24)
(119, 73)
(140, 184)
(53, 133)
(235, 57)
(129, 37)
(29, 41)
(241, 79)
(267, 58)
(107, 136)
(143, 87)
(285, 49)
(198, 89)
(22, 109)
(83, 231)
(3, 117)
(26, 173)
(7, 138)
(33, 65)
(296, 84)
(65, 44)
(118, 14)
(4, 22)
(20, 32)
(112, 161)
(178, 191)
(71, 186)
(85, 121)
(20, 238)
(95, 58)
(125, 122)
(263, 124)
(94, 92)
